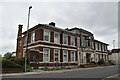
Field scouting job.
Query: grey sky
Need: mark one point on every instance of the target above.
(101, 18)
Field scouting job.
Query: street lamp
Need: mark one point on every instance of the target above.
(114, 50)
(27, 37)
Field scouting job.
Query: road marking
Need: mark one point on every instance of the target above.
(113, 76)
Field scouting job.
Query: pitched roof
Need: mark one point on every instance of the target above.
(100, 42)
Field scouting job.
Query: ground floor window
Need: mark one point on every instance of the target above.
(65, 56)
(56, 55)
(72, 56)
(46, 55)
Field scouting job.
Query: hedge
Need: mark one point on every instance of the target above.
(9, 64)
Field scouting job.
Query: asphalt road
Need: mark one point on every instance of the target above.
(87, 73)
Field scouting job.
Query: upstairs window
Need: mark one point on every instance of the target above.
(72, 40)
(56, 37)
(33, 37)
(46, 35)
(78, 42)
(65, 39)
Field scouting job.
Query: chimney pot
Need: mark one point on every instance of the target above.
(52, 24)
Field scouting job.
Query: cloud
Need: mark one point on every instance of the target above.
(98, 17)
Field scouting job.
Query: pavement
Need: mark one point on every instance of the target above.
(56, 71)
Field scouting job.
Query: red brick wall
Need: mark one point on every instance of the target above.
(69, 56)
(51, 55)
(41, 34)
(52, 36)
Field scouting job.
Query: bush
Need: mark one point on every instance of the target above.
(9, 64)
(28, 69)
(101, 61)
(20, 61)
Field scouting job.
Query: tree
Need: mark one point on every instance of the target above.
(8, 55)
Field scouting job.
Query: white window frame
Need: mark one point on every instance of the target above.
(71, 56)
(96, 46)
(72, 39)
(64, 54)
(44, 55)
(58, 39)
(58, 55)
(44, 35)
(78, 42)
(33, 37)
(66, 39)
(20, 43)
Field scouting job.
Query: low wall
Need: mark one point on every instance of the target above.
(12, 70)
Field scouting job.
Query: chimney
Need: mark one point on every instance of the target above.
(19, 38)
(19, 30)
(52, 24)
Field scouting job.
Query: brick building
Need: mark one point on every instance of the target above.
(49, 45)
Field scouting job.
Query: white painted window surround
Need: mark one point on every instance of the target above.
(33, 37)
(46, 35)
(72, 55)
(65, 56)
(65, 39)
(56, 37)
(46, 55)
(72, 41)
(56, 55)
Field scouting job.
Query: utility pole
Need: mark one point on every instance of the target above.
(27, 38)
(114, 50)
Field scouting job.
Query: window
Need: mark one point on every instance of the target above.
(72, 40)
(56, 55)
(78, 42)
(25, 40)
(65, 56)
(72, 56)
(33, 37)
(98, 46)
(65, 39)
(20, 43)
(56, 38)
(46, 54)
(46, 35)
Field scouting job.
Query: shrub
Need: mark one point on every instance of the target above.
(9, 64)
(28, 69)
(20, 61)
(101, 61)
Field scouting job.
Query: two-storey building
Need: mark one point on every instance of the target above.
(49, 45)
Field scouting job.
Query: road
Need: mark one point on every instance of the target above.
(101, 72)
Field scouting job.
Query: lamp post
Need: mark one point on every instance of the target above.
(114, 50)
(27, 38)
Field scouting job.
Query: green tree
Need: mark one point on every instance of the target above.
(8, 55)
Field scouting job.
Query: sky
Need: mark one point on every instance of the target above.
(100, 18)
